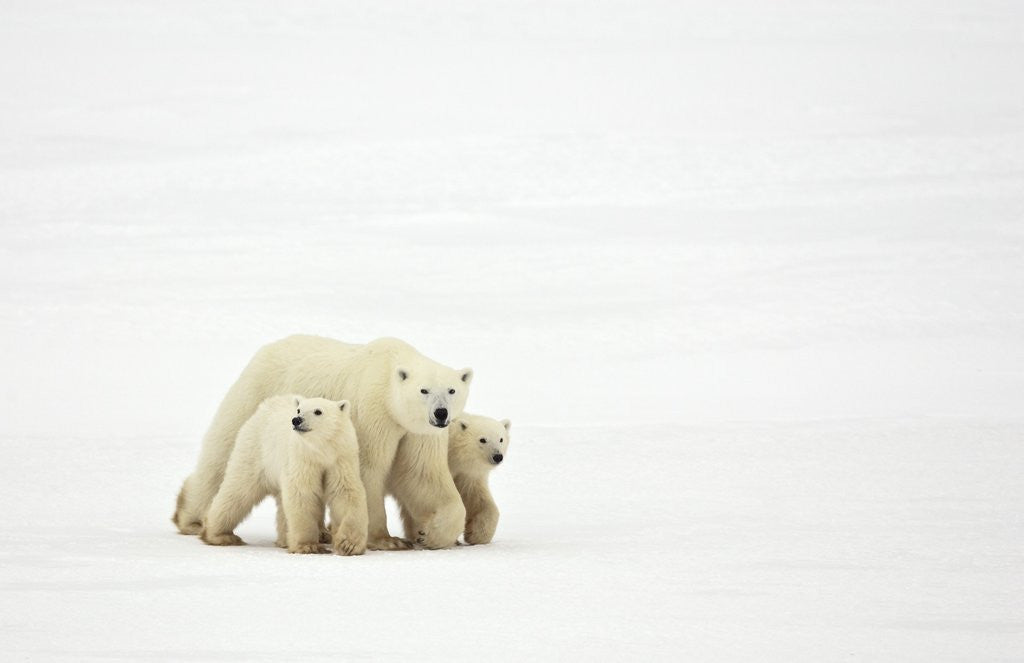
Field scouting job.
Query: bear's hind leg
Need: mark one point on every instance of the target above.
(239, 493)
(186, 522)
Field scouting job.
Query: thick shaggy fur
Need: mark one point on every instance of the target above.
(473, 444)
(383, 380)
(422, 462)
(306, 466)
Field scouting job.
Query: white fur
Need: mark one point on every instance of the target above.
(383, 380)
(470, 462)
(304, 453)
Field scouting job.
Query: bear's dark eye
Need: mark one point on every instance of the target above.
(424, 391)
(317, 412)
(500, 440)
(451, 391)
(298, 412)
(483, 441)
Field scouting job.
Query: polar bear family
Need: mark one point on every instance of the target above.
(386, 420)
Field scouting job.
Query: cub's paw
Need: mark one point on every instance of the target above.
(308, 549)
(192, 528)
(388, 543)
(222, 539)
(281, 543)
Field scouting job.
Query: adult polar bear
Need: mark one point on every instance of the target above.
(401, 404)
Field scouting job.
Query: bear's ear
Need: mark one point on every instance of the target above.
(463, 424)
(507, 424)
(402, 374)
(342, 405)
(467, 375)
(296, 402)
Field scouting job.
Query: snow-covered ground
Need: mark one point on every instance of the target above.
(747, 277)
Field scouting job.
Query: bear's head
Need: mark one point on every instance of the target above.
(318, 414)
(489, 437)
(427, 397)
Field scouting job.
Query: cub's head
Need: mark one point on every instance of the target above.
(427, 397)
(318, 414)
(481, 438)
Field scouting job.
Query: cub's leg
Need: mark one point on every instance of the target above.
(282, 527)
(241, 491)
(481, 511)
(349, 517)
(302, 512)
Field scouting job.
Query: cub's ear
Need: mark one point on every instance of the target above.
(463, 424)
(467, 375)
(506, 423)
(342, 405)
(296, 402)
(402, 373)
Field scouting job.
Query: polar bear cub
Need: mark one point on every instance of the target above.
(304, 452)
(476, 445)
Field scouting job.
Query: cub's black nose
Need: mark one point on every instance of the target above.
(497, 458)
(296, 421)
(441, 414)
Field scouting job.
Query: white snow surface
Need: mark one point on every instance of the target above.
(747, 277)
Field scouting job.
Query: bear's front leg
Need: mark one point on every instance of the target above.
(480, 527)
(441, 529)
(425, 490)
(302, 512)
(378, 536)
(409, 525)
(348, 510)
(282, 524)
(481, 510)
(325, 532)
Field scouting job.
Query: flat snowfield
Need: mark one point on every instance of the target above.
(747, 277)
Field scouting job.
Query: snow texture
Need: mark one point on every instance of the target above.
(747, 278)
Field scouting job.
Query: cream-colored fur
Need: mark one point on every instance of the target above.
(470, 462)
(383, 380)
(426, 492)
(303, 451)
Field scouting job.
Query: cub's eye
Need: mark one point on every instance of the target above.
(483, 441)
(424, 391)
(298, 412)
(317, 412)
(500, 440)
(451, 391)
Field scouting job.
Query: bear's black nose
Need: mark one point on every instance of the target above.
(497, 458)
(441, 414)
(296, 421)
